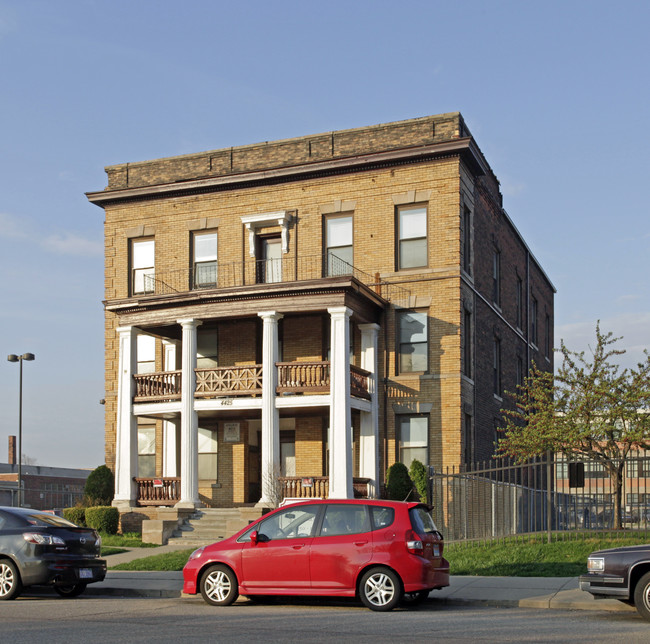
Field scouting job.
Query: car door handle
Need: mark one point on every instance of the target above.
(297, 546)
(360, 543)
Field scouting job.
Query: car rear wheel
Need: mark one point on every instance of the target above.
(10, 584)
(380, 589)
(219, 586)
(71, 590)
(642, 596)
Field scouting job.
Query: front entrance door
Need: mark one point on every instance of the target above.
(270, 263)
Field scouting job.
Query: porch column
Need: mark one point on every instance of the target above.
(340, 433)
(270, 415)
(126, 431)
(171, 444)
(189, 419)
(369, 448)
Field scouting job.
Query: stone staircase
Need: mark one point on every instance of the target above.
(208, 525)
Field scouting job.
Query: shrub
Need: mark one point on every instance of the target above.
(100, 487)
(399, 486)
(75, 515)
(103, 518)
(420, 477)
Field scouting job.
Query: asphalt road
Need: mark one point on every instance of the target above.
(43, 618)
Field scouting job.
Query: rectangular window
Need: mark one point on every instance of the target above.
(414, 439)
(207, 454)
(269, 264)
(413, 342)
(412, 237)
(205, 260)
(146, 353)
(146, 449)
(339, 245)
(533, 321)
(496, 278)
(467, 347)
(638, 468)
(520, 371)
(547, 337)
(142, 266)
(520, 303)
(496, 367)
(207, 341)
(467, 241)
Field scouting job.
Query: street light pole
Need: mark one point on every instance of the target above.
(14, 358)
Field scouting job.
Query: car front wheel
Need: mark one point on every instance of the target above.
(642, 596)
(71, 590)
(380, 589)
(10, 584)
(219, 586)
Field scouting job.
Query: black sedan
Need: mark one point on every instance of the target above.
(620, 573)
(38, 548)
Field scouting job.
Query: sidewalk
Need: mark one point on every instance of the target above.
(558, 593)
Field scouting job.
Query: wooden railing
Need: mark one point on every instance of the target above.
(229, 381)
(303, 377)
(360, 382)
(317, 487)
(158, 491)
(165, 385)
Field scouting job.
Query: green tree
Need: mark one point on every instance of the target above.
(100, 486)
(399, 486)
(591, 410)
(420, 477)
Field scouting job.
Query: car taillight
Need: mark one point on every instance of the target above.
(43, 539)
(414, 543)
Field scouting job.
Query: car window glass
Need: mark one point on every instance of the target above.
(345, 519)
(421, 521)
(382, 517)
(42, 519)
(289, 523)
(2, 521)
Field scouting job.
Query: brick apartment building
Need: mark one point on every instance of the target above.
(290, 318)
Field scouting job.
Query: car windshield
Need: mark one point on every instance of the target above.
(421, 520)
(42, 519)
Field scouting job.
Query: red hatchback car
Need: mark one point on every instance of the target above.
(380, 551)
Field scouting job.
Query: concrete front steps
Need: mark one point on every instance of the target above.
(208, 525)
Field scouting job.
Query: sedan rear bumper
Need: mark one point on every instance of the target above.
(62, 571)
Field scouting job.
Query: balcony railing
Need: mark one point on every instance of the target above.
(285, 269)
(158, 491)
(293, 378)
(229, 381)
(317, 487)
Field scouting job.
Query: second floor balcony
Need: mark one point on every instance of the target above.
(306, 378)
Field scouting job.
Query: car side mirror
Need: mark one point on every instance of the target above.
(254, 537)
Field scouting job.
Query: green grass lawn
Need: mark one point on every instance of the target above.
(531, 557)
(169, 561)
(126, 540)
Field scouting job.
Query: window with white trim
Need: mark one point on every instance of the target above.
(146, 448)
(339, 245)
(413, 439)
(208, 448)
(413, 341)
(204, 266)
(143, 272)
(412, 237)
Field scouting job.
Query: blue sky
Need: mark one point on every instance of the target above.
(555, 93)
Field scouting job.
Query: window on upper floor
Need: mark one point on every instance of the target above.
(467, 240)
(413, 342)
(520, 302)
(533, 321)
(411, 236)
(547, 337)
(496, 277)
(520, 371)
(413, 439)
(204, 260)
(146, 353)
(496, 367)
(142, 266)
(339, 244)
(269, 262)
(467, 344)
(207, 344)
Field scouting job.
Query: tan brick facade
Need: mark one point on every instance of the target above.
(368, 174)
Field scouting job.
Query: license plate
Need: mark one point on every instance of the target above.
(85, 573)
(436, 551)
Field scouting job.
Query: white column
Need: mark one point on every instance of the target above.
(170, 427)
(270, 414)
(126, 439)
(340, 434)
(369, 448)
(189, 418)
